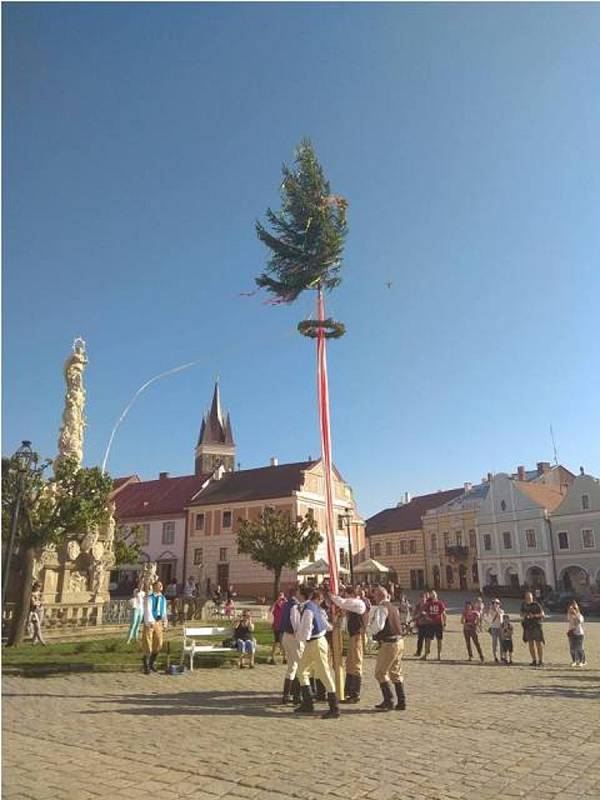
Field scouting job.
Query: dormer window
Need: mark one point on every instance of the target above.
(227, 519)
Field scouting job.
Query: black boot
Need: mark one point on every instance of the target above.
(296, 697)
(388, 699)
(321, 693)
(306, 706)
(334, 709)
(286, 692)
(352, 691)
(146, 662)
(357, 685)
(151, 663)
(401, 704)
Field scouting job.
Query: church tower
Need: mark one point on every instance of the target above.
(215, 442)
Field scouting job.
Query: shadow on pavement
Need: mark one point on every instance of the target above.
(553, 690)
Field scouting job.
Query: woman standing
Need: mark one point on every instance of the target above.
(532, 615)
(470, 623)
(137, 614)
(575, 634)
(494, 620)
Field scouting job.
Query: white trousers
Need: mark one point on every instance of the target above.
(315, 660)
(293, 650)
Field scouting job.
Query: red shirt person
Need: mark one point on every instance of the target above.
(276, 612)
(435, 610)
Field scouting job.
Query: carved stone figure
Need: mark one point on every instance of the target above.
(73, 550)
(78, 582)
(90, 539)
(148, 575)
(97, 576)
(70, 440)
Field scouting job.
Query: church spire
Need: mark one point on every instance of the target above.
(215, 442)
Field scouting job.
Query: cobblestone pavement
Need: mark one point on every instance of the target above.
(470, 731)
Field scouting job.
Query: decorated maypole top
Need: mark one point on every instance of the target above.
(306, 243)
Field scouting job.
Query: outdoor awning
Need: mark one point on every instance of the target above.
(369, 566)
(320, 567)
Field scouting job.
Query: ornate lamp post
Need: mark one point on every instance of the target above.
(348, 519)
(23, 458)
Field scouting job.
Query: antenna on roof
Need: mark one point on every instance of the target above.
(554, 446)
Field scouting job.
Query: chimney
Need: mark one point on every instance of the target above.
(468, 486)
(407, 497)
(581, 471)
(274, 461)
(521, 473)
(543, 467)
(162, 476)
(489, 477)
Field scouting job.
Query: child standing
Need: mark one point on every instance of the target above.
(575, 634)
(506, 639)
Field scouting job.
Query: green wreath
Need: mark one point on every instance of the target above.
(331, 328)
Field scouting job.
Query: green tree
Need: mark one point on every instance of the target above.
(73, 501)
(275, 541)
(128, 544)
(307, 238)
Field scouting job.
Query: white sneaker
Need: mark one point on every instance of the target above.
(574, 664)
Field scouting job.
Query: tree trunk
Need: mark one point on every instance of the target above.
(277, 578)
(23, 598)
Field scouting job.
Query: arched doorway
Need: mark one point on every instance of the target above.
(511, 578)
(491, 577)
(437, 584)
(575, 579)
(535, 577)
(462, 577)
(449, 577)
(475, 573)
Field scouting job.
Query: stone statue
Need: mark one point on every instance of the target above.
(73, 550)
(148, 575)
(89, 539)
(97, 576)
(78, 582)
(70, 440)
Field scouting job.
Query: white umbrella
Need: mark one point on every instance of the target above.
(320, 567)
(370, 566)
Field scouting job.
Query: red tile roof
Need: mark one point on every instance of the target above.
(156, 498)
(262, 483)
(407, 517)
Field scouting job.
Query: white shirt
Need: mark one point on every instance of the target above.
(576, 623)
(353, 604)
(377, 619)
(304, 627)
(137, 601)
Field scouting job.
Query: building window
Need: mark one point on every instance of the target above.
(503, 505)
(563, 540)
(446, 539)
(310, 513)
(227, 519)
(199, 522)
(449, 575)
(530, 538)
(487, 541)
(343, 557)
(434, 542)
(168, 532)
(340, 521)
(472, 540)
(377, 549)
(587, 538)
(458, 537)
(507, 540)
(403, 548)
(412, 546)
(222, 554)
(388, 548)
(198, 556)
(144, 534)
(585, 501)
(475, 572)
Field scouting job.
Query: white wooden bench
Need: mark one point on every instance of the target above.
(192, 646)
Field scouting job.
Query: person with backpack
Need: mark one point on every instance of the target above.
(385, 626)
(355, 609)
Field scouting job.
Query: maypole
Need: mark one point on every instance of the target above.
(306, 254)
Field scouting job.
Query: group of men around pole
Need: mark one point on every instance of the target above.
(307, 619)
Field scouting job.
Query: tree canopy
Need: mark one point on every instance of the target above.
(276, 541)
(307, 235)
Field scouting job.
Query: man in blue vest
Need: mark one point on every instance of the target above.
(155, 623)
(292, 648)
(311, 629)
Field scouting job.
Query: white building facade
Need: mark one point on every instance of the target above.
(575, 527)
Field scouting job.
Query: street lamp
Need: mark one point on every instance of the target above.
(348, 518)
(23, 459)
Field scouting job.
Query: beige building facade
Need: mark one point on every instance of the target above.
(215, 513)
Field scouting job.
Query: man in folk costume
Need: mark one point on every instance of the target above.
(292, 648)
(155, 623)
(311, 629)
(386, 628)
(355, 609)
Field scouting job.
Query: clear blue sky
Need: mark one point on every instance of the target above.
(142, 141)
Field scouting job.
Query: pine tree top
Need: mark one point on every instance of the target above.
(307, 235)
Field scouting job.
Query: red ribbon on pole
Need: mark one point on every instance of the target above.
(326, 459)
